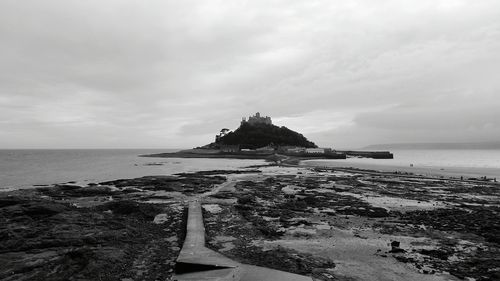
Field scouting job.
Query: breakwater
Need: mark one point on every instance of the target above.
(369, 154)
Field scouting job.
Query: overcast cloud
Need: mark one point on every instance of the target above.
(171, 74)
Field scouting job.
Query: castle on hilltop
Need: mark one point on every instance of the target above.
(257, 119)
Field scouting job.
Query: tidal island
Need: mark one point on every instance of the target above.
(258, 138)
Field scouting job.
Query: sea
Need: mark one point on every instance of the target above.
(30, 168)
(21, 169)
(475, 163)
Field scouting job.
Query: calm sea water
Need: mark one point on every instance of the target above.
(25, 168)
(451, 162)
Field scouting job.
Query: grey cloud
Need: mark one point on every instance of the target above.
(172, 73)
(436, 118)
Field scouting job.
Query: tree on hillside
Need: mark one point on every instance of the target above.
(259, 135)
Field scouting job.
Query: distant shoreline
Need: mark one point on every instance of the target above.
(449, 172)
(316, 161)
(256, 154)
(199, 155)
(264, 156)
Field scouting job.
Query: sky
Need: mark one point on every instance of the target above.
(171, 74)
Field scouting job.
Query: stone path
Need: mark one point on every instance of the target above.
(197, 262)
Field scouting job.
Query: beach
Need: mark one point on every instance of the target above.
(327, 223)
(471, 163)
(447, 172)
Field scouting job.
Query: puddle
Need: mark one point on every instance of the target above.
(395, 203)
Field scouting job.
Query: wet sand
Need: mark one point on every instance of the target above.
(447, 172)
(444, 230)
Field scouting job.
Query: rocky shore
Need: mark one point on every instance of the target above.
(329, 224)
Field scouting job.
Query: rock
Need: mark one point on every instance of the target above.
(96, 190)
(440, 254)
(64, 187)
(403, 259)
(128, 207)
(212, 208)
(10, 200)
(40, 209)
(395, 247)
(160, 218)
(171, 239)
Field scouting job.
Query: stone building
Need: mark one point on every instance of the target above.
(257, 119)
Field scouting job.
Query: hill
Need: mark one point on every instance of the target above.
(257, 135)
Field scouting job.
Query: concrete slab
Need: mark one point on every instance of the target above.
(194, 250)
(226, 274)
(257, 273)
